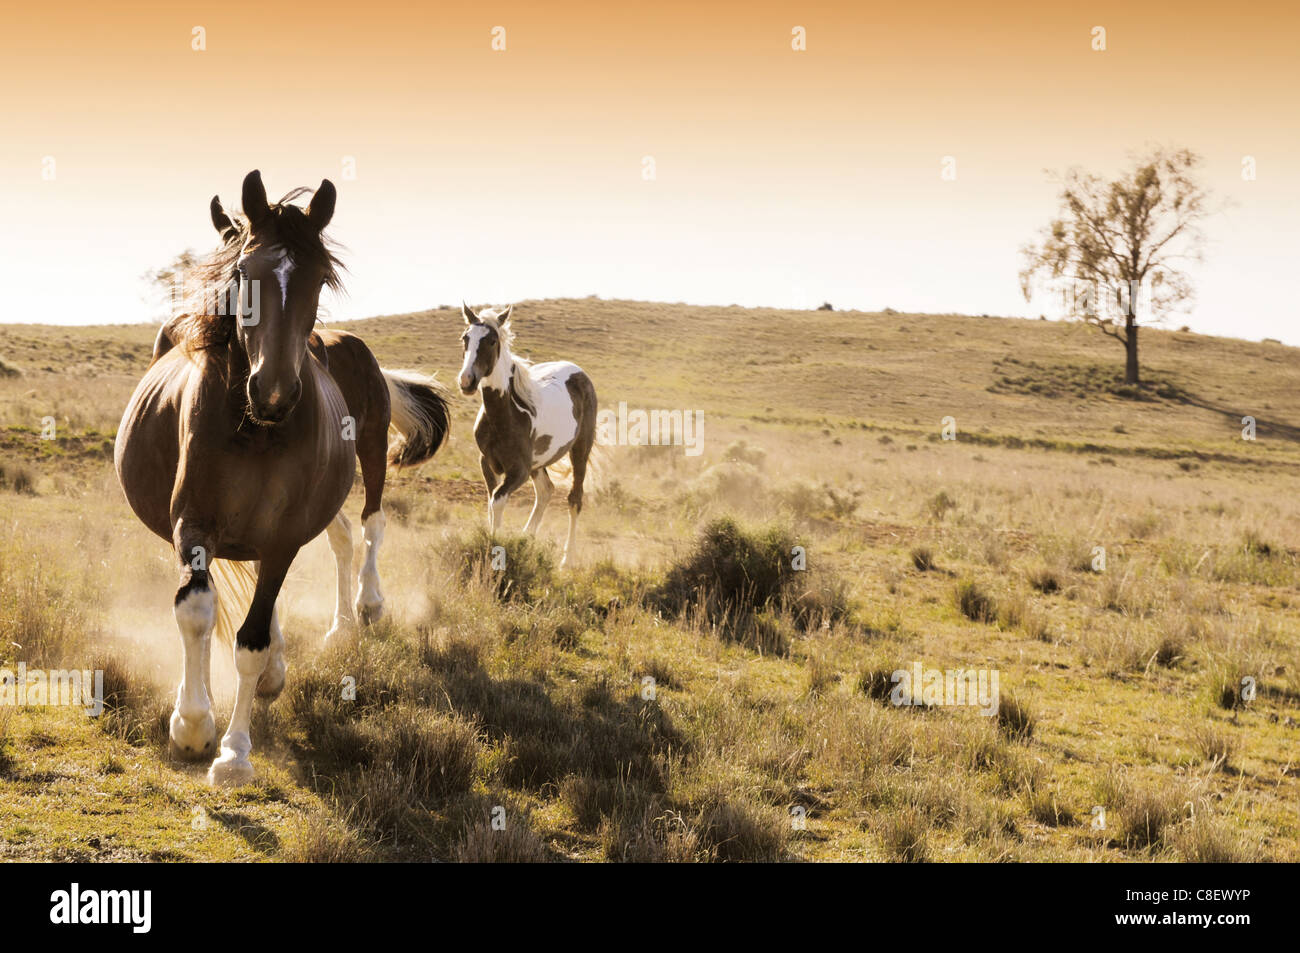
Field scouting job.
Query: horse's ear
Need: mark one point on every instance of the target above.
(220, 220)
(468, 313)
(321, 209)
(255, 204)
(504, 316)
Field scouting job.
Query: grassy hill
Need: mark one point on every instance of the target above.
(1121, 557)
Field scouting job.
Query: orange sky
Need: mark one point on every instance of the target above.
(782, 178)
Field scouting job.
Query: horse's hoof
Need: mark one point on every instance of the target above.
(192, 740)
(231, 770)
(370, 614)
(271, 682)
(340, 628)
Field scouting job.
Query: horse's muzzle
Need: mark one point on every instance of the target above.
(273, 408)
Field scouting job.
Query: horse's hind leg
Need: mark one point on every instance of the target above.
(340, 536)
(583, 395)
(491, 478)
(543, 488)
(372, 450)
(193, 731)
(579, 456)
(252, 653)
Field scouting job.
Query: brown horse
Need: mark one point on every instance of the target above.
(241, 441)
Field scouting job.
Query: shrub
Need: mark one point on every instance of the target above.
(877, 683)
(1014, 718)
(1045, 808)
(1045, 580)
(519, 571)
(733, 830)
(516, 843)
(1140, 815)
(135, 710)
(1145, 813)
(6, 754)
(974, 602)
(434, 754)
(1208, 840)
(902, 834)
(17, 478)
(319, 840)
(940, 504)
(741, 452)
(734, 575)
(653, 835)
(736, 485)
(1216, 747)
(1254, 544)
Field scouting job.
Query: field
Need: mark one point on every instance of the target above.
(1124, 559)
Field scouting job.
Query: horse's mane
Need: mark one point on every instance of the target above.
(521, 383)
(207, 319)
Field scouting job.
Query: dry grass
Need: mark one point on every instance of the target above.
(683, 691)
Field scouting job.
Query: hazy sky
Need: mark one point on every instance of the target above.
(782, 178)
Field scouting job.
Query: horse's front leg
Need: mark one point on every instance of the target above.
(370, 594)
(340, 536)
(512, 481)
(193, 731)
(252, 652)
(271, 684)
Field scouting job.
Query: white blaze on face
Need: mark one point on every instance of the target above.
(282, 271)
(476, 334)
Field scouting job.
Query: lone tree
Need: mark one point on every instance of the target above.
(1119, 248)
(167, 284)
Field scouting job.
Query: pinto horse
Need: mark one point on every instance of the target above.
(532, 415)
(241, 443)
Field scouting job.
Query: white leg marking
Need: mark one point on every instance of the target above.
(496, 507)
(370, 600)
(543, 488)
(271, 684)
(233, 767)
(570, 547)
(193, 730)
(340, 537)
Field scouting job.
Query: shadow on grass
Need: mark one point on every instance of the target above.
(1088, 381)
(434, 746)
(257, 836)
(594, 733)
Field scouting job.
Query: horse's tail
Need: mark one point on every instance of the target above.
(421, 416)
(234, 582)
(596, 465)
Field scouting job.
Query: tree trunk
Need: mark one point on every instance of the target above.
(1131, 375)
